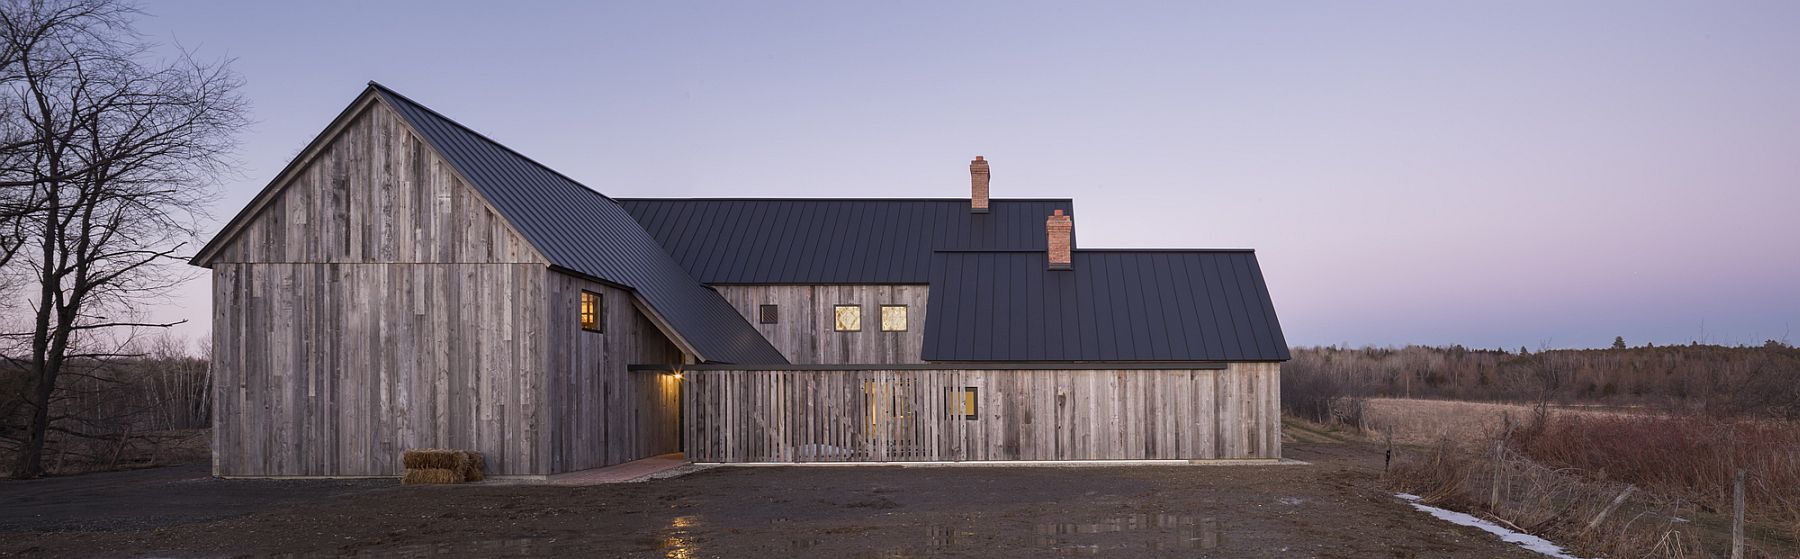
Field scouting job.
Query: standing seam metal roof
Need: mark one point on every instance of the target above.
(833, 240)
(585, 232)
(1111, 305)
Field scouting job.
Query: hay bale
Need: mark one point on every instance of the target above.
(434, 458)
(428, 476)
(476, 467)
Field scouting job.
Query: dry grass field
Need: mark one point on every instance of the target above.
(1558, 473)
(1416, 422)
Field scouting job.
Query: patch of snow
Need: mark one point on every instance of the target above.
(1526, 541)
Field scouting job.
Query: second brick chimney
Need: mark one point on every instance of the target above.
(1058, 229)
(978, 177)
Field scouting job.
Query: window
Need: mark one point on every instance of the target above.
(889, 404)
(590, 311)
(768, 314)
(961, 402)
(849, 318)
(893, 318)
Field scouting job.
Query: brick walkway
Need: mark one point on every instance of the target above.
(621, 473)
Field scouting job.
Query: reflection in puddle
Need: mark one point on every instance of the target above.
(678, 541)
(1134, 532)
(509, 547)
(682, 538)
(1152, 532)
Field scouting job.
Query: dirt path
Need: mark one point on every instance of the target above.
(1333, 508)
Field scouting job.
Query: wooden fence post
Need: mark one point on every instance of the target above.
(1499, 465)
(1609, 508)
(1737, 515)
(1389, 459)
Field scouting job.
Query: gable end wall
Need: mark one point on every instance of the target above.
(375, 303)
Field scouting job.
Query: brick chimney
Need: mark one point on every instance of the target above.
(1057, 230)
(978, 177)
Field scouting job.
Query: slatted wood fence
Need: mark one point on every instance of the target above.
(855, 415)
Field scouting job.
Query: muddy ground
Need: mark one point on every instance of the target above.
(1334, 507)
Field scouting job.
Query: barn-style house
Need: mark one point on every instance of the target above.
(407, 282)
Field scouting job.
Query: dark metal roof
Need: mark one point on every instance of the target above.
(586, 233)
(1113, 305)
(827, 241)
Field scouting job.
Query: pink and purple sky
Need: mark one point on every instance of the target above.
(1543, 174)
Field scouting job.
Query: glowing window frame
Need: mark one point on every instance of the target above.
(837, 318)
(591, 306)
(904, 318)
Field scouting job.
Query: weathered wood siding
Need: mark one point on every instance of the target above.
(334, 369)
(604, 413)
(806, 331)
(375, 303)
(377, 193)
(906, 415)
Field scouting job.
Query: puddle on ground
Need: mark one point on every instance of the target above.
(679, 540)
(511, 547)
(1140, 532)
(1149, 532)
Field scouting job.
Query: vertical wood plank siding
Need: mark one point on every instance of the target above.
(602, 414)
(806, 334)
(908, 415)
(376, 303)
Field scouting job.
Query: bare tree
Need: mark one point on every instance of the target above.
(115, 158)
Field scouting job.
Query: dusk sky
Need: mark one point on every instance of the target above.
(1550, 174)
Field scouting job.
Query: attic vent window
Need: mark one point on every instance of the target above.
(590, 311)
(893, 318)
(768, 314)
(848, 318)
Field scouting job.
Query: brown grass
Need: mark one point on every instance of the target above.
(435, 465)
(1427, 422)
(431, 476)
(1555, 504)
(435, 458)
(1561, 469)
(476, 467)
(1693, 458)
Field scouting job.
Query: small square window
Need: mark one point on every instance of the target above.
(848, 318)
(893, 318)
(768, 314)
(962, 403)
(590, 311)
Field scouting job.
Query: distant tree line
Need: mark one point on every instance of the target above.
(150, 407)
(1753, 381)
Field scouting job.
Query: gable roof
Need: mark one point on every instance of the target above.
(579, 231)
(584, 232)
(833, 241)
(1112, 305)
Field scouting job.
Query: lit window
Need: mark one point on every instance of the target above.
(768, 314)
(849, 318)
(961, 402)
(890, 407)
(590, 311)
(893, 318)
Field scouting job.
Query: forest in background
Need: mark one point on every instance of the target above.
(150, 407)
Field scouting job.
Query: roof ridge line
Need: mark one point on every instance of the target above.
(485, 138)
(825, 199)
(1005, 250)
